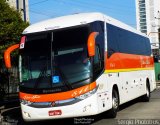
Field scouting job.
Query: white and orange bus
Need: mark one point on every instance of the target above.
(81, 65)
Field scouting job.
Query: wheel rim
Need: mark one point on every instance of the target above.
(147, 91)
(115, 101)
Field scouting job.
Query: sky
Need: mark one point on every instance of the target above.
(123, 10)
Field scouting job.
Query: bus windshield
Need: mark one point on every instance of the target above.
(55, 59)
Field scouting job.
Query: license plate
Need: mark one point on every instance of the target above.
(55, 112)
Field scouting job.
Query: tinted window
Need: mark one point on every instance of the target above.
(123, 41)
(56, 59)
(98, 26)
(98, 65)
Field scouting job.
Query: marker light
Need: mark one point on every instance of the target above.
(22, 43)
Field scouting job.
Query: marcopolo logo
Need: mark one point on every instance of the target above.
(31, 97)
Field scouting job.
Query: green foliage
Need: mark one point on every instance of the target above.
(11, 27)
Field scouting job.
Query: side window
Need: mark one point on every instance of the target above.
(112, 39)
(124, 41)
(98, 60)
(148, 46)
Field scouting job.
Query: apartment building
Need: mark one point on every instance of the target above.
(148, 20)
(22, 6)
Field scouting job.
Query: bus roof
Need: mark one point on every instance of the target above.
(76, 19)
(64, 21)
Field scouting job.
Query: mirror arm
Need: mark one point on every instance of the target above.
(91, 43)
(7, 55)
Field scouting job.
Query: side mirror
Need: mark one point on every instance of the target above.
(7, 55)
(91, 43)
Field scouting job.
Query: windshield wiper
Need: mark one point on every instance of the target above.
(41, 75)
(65, 81)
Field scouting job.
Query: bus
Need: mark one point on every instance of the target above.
(81, 65)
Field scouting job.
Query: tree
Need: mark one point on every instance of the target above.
(11, 27)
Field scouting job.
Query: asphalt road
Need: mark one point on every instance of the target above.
(132, 113)
(137, 113)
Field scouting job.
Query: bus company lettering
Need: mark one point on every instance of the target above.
(112, 65)
(26, 97)
(81, 91)
(146, 62)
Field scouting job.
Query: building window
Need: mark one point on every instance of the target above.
(143, 27)
(142, 13)
(142, 6)
(142, 20)
(142, 9)
(143, 30)
(141, 1)
(144, 16)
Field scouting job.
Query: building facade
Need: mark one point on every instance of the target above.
(22, 6)
(148, 20)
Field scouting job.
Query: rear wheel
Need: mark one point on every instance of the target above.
(115, 104)
(146, 97)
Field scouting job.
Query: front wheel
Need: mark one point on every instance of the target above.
(115, 105)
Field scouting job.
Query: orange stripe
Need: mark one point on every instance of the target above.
(128, 61)
(57, 96)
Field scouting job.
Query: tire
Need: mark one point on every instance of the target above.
(112, 113)
(146, 97)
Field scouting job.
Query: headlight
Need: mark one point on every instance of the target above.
(26, 102)
(86, 95)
